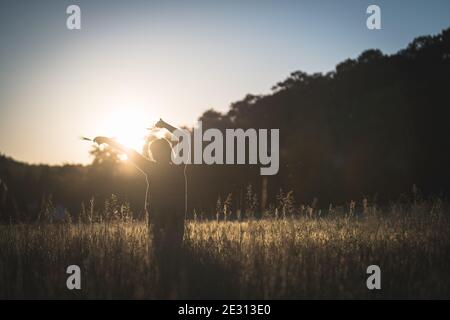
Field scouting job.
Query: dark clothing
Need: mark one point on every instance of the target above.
(166, 193)
(166, 218)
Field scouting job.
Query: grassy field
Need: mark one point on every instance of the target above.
(287, 258)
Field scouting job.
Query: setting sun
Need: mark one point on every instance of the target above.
(128, 128)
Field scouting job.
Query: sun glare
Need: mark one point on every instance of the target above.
(128, 128)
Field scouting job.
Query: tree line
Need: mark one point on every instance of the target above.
(372, 128)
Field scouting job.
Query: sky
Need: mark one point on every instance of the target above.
(133, 62)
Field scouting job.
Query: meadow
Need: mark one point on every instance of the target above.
(289, 257)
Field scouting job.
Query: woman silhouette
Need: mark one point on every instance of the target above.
(166, 206)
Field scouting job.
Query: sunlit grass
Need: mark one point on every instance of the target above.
(272, 258)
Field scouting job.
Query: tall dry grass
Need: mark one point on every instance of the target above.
(301, 257)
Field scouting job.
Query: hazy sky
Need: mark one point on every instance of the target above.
(135, 61)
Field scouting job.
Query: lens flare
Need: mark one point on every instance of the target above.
(128, 128)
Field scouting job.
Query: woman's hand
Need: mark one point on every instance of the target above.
(100, 140)
(160, 124)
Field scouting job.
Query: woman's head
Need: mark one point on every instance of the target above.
(161, 150)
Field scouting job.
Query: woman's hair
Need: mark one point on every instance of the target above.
(160, 150)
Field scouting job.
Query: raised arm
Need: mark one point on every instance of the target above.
(162, 124)
(175, 137)
(139, 160)
(113, 143)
